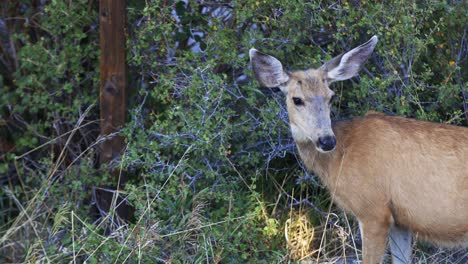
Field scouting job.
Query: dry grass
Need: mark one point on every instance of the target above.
(299, 235)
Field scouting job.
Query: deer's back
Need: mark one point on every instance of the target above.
(414, 171)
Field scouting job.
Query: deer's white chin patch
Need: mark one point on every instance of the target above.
(298, 134)
(325, 151)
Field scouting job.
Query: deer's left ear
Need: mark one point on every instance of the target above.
(348, 64)
(268, 70)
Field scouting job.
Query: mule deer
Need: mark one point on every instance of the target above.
(398, 176)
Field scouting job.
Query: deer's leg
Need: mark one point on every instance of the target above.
(400, 245)
(374, 240)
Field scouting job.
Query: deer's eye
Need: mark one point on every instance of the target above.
(298, 101)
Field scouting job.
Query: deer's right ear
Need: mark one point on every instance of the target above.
(268, 70)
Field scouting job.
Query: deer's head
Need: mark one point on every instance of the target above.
(308, 96)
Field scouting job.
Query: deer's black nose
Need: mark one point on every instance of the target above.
(327, 143)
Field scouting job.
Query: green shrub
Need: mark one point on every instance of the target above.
(213, 169)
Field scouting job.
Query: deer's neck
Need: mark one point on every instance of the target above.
(321, 163)
(314, 160)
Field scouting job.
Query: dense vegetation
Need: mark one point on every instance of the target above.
(214, 175)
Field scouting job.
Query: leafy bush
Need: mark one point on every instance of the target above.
(214, 172)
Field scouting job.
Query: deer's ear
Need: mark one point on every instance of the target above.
(268, 70)
(348, 64)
